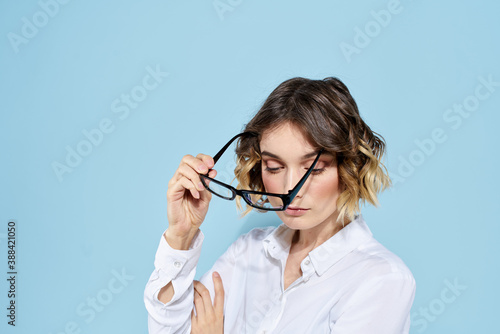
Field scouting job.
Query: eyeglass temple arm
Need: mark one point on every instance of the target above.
(222, 150)
(292, 193)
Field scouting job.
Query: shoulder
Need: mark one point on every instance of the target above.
(377, 262)
(369, 257)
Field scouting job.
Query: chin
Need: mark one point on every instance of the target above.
(294, 223)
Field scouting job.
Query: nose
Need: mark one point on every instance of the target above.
(293, 177)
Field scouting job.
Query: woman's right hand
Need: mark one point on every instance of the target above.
(187, 200)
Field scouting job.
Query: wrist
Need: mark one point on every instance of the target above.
(179, 242)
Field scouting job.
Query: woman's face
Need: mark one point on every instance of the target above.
(286, 157)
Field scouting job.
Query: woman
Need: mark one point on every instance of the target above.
(309, 156)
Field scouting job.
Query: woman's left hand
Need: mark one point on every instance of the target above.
(209, 319)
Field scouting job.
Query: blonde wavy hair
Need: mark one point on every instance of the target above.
(328, 115)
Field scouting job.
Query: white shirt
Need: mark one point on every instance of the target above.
(350, 284)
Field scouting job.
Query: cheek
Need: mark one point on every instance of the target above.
(327, 188)
(271, 184)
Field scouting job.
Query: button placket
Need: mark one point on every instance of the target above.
(307, 270)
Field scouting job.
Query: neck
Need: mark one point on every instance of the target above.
(307, 240)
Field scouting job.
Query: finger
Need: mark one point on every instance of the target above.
(195, 163)
(201, 164)
(198, 304)
(206, 196)
(219, 294)
(194, 320)
(189, 168)
(177, 189)
(212, 174)
(190, 174)
(207, 301)
(200, 308)
(208, 160)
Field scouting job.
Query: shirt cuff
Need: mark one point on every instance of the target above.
(171, 262)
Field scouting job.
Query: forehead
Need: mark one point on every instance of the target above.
(286, 139)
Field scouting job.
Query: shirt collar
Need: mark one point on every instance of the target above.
(278, 242)
(328, 253)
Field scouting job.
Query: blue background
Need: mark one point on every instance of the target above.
(76, 232)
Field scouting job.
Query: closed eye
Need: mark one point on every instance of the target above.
(317, 171)
(273, 170)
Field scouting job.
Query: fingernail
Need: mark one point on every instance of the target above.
(202, 168)
(200, 186)
(216, 274)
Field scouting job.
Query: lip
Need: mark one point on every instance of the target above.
(293, 211)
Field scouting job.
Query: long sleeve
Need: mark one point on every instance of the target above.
(350, 284)
(381, 305)
(178, 267)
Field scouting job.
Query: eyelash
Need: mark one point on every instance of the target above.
(272, 170)
(315, 171)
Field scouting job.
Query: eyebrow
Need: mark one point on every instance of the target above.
(305, 156)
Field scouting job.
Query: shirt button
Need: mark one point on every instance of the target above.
(177, 264)
(307, 262)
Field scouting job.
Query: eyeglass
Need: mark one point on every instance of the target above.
(260, 200)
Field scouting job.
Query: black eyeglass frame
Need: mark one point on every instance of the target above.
(286, 198)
